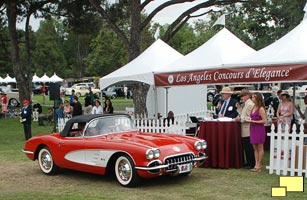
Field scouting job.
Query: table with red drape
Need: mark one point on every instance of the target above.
(224, 144)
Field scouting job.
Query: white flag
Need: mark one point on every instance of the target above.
(220, 21)
(157, 33)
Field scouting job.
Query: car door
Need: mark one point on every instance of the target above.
(72, 148)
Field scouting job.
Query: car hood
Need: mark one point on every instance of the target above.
(152, 140)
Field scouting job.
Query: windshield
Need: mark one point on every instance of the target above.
(112, 124)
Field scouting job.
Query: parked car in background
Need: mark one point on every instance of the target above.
(12, 96)
(110, 144)
(109, 93)
(82, 88)
(113, 92)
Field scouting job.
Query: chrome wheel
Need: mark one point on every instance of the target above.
(13, 102)
(45, 161)
(125, 172)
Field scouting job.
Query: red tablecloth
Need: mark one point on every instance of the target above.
(224, 145)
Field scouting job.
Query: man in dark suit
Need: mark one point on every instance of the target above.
(26, 118)
(77, 107)
(229, 108)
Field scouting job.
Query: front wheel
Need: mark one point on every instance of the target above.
(45, 161)
(125, 171)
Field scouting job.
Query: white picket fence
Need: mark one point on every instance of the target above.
(179, 126)
(288, 152)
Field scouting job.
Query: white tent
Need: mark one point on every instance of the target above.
(1, 80)
(141, 69)
(290, 49)
(44, 78)
(283, 61)
(35, 78)
(9, 79)
(55, 78)
(223, 48)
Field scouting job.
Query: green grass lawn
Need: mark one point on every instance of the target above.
(22, 179)
(119, 103)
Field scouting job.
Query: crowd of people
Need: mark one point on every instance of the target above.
(64, 109)
(251, 112)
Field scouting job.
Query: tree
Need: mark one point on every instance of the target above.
(132, 39)
(260, 23)
(48, 56)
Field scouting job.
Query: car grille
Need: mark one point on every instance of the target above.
(178, 160)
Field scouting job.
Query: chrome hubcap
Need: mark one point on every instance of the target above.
(46, 161)
(124, 170)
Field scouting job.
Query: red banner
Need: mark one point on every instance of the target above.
(279, 73)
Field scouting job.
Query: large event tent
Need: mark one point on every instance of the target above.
(285, 60)
(223, 48)
(141, 69)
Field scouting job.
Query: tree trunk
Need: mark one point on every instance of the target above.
(139, 90)
(21, 73)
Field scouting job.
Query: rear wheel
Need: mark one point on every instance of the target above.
(45, 161)
(125, 171)
(78, 94)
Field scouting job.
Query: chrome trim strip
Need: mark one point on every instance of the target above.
(27, 152)
(151, 168)
(200, 158)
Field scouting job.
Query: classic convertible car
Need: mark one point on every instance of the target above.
(110, 144)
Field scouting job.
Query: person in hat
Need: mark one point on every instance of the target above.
(4, 104)
(25, 118)
(229, 108)
(97, 109)
(248, 151)
(285, 111)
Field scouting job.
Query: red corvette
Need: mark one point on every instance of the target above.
(104, 144)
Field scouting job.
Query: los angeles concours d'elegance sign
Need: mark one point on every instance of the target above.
(284, 73)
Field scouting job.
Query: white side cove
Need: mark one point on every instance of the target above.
(93, 157)
(179, 99)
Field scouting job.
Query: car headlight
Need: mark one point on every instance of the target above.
(149, 154)
(152, 153)
(200, 144)
(156, 153)
(204, 144)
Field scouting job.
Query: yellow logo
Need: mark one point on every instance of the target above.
(288, 184)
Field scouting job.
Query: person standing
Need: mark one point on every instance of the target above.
(77, 107)
(87, 104)
(285, 111)
(25, 118)
(244, 112)
(217, 100)
(229, 108)
(126, 92)
(97, 109)
(4, 104)
(108, 108)
(257, 129)
(68, 109)
(303, 115)
(71, 97)
(275, 102)
(43, 92)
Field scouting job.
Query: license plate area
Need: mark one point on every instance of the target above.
(184, 168)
